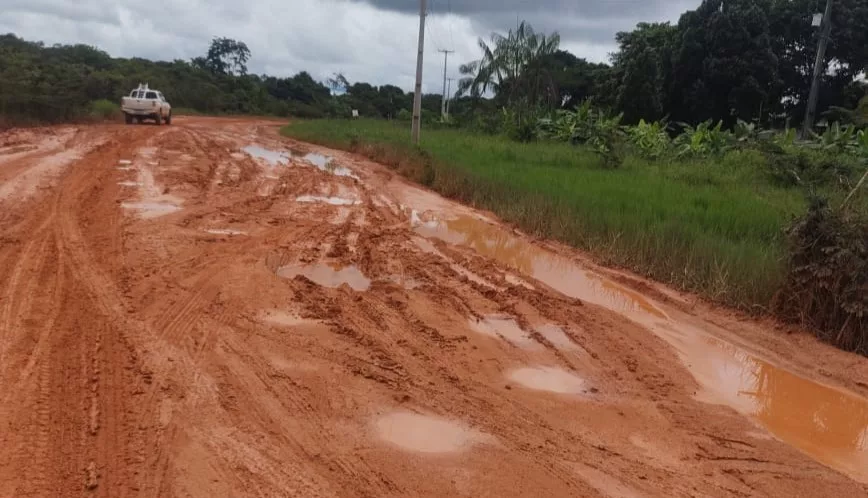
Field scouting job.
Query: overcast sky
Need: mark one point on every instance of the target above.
(367, 40)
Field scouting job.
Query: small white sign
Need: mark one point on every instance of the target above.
(355, 113)
(817, 21)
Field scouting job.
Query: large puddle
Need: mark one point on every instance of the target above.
(327, 164)
(321, 162)
(327, 275)
(272, 157)
(427, 434)
(829, 424)
(550, 379)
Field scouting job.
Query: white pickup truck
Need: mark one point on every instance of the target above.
(146, 103)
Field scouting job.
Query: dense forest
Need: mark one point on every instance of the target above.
(724, 61)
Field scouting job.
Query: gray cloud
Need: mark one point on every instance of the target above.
(368, 40)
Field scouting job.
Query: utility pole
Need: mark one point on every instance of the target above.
(443, 102)
(825, 31)
(449, 94)
(417, 98)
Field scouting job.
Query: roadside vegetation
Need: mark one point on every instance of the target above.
(724, 200)
(679, 159)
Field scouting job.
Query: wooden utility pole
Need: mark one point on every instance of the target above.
(445, 62)
(819, 65)
(417, 97)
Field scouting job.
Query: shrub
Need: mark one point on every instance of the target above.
(827, 282)
(104, 109)
(705, 139)
(649, 139)
(304, 111)
(808, 168)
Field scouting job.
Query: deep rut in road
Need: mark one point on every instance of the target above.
(208, 310)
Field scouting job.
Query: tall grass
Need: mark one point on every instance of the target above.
(710, 226)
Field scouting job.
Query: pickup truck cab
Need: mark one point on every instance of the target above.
(146, 103)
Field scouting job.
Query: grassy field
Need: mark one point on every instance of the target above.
(709, 226)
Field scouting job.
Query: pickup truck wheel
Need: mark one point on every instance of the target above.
(169, 118)
(128, 119)
(158, 119)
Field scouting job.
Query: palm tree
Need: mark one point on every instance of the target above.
(507, 61)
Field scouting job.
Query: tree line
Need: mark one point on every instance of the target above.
(42, 83)
(725, 61)
(728, 60)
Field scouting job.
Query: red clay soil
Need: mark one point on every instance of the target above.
(182, 315)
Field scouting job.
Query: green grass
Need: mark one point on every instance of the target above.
(709, 226)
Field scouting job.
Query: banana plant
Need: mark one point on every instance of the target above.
(650, 139)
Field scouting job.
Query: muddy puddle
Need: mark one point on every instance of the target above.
(272, 157)
(327, 164)
(282, 318)
(320, 161)
(224, 231)
(557, 337)
(551, 379)
(426, 434)
(151, 209)
(505, 328)
(828, 424)
(328, 275)
(334, 201)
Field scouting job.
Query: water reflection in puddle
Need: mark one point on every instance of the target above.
(272, 157)
(829, 424)
(557, 272)
(557, 337)
(327, 164)
(505, 328)
(328, 275)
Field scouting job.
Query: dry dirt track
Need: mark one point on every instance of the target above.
(166, 330)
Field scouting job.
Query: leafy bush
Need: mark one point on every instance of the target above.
(404, 115)
(520, 123)
(649, 139)
(104, 109)
(745, 132)
(827, 283)
(703, 140)
(589, 126)
(811, 169)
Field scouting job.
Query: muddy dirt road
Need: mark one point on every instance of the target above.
(209, 310)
